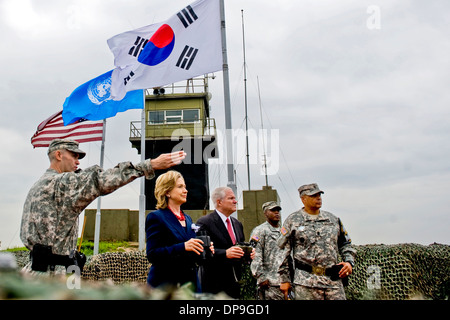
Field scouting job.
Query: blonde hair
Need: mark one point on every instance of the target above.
(164, 184)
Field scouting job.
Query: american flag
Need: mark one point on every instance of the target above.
(53, 128)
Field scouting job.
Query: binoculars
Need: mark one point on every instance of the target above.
(206, 254)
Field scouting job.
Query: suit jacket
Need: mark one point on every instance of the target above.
(219, 273)
(170, 262)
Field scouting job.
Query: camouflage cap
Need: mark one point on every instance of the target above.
(67, 144)
(270, 205)
(309, 189)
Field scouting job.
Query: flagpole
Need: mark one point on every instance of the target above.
(226, 92)
(142, 195)
(99, 199)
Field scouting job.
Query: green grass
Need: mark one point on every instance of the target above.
(14, 249)
(87, 247)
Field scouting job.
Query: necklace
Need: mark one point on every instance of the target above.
(179, 217)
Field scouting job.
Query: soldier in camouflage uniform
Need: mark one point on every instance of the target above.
(53, 204)
(315, 238)
(268, 255)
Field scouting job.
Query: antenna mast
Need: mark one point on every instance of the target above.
(262, 135)
(245, 95)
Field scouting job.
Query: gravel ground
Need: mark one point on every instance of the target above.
(22, 258)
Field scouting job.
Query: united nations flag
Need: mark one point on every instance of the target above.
(92, 101)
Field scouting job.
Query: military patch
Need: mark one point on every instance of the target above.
(283, 231)
(344, 232)
(255, 237)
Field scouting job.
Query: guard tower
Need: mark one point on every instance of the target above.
(177, 118)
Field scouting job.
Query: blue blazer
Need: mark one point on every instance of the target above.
(171, 264)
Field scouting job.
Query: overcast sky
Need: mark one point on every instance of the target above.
(357, 92)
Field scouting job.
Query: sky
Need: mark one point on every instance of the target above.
(353, 95)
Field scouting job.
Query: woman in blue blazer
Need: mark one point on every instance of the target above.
(172, 248)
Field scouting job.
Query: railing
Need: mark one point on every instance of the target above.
(204, 127)
(194, 85)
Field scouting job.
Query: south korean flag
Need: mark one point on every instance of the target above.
(186, 45)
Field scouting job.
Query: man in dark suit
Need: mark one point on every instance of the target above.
(223, 271)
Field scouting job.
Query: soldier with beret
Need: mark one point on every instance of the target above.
(49, 226)
(315, 238)
(268, 255)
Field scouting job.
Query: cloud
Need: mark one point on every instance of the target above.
(363, 112)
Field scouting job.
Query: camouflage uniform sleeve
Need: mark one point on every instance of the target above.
(346, 249)
(285, 244)
(146, 168)
(82, 188)
(257, 265)
(122, 174)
